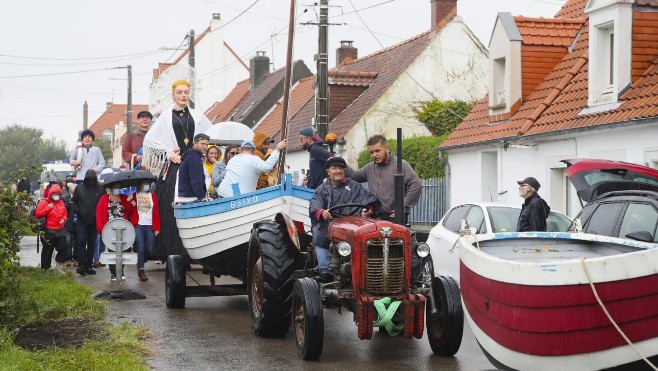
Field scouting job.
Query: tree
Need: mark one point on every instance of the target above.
(442, 117)
(52, 149)
(106, 148)
(18, 148)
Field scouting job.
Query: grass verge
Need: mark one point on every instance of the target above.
(49, 297)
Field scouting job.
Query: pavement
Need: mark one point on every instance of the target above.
(214, 333)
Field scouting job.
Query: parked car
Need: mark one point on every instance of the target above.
(622, 198)
(485, 218)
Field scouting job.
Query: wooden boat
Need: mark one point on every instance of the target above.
(216, 233)
(532, 299)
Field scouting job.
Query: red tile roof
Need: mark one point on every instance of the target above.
(572, 9)
(557, 104)
(548, 32)
(351, 78)
(113, 115)
(387, 65)
(302, 92)
(220, 111)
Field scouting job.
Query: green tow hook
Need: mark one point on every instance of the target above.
(385, 315)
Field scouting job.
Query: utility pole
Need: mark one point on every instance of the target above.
(190, 55)
(129, 114)
(321, 96)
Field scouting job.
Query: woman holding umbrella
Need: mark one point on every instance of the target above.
(113, 205)
(164, 144)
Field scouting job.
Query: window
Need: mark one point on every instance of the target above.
(604, 219)
(503, 219)
(475, 219)
(453, 221)
(639, 217)
(499, 100)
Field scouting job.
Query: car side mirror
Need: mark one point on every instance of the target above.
(643, 236)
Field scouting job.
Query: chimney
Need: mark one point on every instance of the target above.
(442, 10)
(108, 105)
(259, 68)
(85, 116)
(346, 52)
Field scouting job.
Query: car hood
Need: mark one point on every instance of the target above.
(593, 178)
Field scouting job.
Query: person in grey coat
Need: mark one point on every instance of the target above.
(85, 156)
(338, 190)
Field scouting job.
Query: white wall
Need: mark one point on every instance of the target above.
(634, 144)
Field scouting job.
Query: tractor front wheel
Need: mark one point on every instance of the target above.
(445, 328)
(307, 319)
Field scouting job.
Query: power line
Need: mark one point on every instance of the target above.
(76, 59)
(81, 63)
(56, 73)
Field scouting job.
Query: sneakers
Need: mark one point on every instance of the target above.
(113, 278)
(81, 271)
(90, 271)
(142, 275)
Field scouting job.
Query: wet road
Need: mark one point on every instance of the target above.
(215, 332)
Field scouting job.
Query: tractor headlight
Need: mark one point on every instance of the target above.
(344, 248)
(423, 249)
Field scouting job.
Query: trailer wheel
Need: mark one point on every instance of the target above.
(308, 320)
(271, 264)
(445, 329)
(175, 282)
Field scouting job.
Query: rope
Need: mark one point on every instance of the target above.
(385, 315)
(598, 299)
(462, 233)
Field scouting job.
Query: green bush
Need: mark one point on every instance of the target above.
(420, 152)
(442, 118)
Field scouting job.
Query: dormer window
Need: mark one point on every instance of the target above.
(610, 28)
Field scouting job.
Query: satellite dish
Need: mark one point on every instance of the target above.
(118, 228)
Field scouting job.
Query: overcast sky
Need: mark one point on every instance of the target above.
(63, 38)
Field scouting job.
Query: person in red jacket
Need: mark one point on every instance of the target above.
(146, 219)
(54, 236)
(113, 205)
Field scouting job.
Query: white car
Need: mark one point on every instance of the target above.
(486, 218)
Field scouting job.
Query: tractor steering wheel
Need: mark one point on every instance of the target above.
(354, 206)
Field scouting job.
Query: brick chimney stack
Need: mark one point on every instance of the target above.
(346, 51)
(442, 12)
(259, 68)
(85, 116)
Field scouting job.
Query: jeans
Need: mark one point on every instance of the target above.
(322, 253)
(100, 247)
(144, 239)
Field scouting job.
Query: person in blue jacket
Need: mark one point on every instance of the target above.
(191, 178)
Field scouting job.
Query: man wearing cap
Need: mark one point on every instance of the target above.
(534, 210)
(262, 142)
(191, 178)
(318, 155)
(243, 170)
(85, 156)
(338, 190)
(131, 151)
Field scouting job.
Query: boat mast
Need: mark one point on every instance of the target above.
(286, 85)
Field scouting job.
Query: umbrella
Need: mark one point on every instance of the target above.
(130, 178)
(107, 174)
(229, 132)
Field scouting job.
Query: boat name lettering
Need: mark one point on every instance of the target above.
(245, 201)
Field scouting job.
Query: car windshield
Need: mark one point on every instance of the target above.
(51, 175)
(504, 219)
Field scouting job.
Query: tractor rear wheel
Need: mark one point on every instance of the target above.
(175, 282)
(271, 263)
(308, 320)
(446, 328)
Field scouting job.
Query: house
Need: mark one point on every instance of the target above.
(217, 68)
(111, 125)
(376, 94)
(581, 84)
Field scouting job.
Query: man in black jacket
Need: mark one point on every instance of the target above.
(191, 178)
(84, 201)
(534, 210)
(318, 155)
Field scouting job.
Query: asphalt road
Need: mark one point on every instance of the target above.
(214, 333)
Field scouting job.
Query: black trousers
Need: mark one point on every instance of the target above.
(86, 245)
(50, 245)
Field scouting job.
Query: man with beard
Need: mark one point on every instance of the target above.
(318, 155)
(84, 201)
(131, 151)
(534, 210)
(338, 190)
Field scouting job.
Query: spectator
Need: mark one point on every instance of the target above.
(23, 185)
(263, 151)
(84, 201)
(245, 168)
(380, 175)
(146, 219)
(191, 178)
(212, 160)
(534, 210)
(86, 156)
(113, 205)
(338, 190)
(318, 155)
(54, 235)
(219, 170)
(131, 151)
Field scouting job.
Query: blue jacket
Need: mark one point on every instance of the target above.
(191, 178)
(318, 157)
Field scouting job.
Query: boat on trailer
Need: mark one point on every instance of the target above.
(542, 300)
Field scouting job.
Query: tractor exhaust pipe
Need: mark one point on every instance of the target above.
(399, 184)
